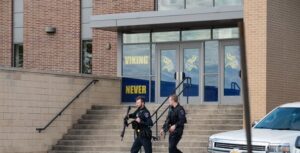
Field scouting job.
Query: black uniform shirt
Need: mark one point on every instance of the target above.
(144, 115)
(177, 117)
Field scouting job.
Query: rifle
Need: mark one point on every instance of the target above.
(125, 124)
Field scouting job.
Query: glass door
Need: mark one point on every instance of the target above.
(168, 65)
(180, 58)
(231, 76)
(190, 64)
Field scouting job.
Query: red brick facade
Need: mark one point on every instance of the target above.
(5, 32)
(52, 52)
(105, 61)
(60, 52)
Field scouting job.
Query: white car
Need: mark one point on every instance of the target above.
(277, 132)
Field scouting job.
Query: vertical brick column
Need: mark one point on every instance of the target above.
(5, 32)
(255, 18)
(104, 60)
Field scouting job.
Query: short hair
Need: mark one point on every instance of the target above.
(140, 98)
(174, 97)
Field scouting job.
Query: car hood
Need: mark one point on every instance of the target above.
(259, 135)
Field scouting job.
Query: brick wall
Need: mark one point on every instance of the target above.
(5, 32)
(105, 61)
(255, 18)
(29, 100)
(283, 55)
(57, 52)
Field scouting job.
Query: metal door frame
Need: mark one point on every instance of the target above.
(179, 47)
(231, 100)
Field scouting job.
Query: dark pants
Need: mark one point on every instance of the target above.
(173, 141)
(139, 142)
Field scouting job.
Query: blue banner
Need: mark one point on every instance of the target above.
(133, 87)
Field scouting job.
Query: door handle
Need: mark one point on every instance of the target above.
(176, 75)
(179, 76)
(182, 77)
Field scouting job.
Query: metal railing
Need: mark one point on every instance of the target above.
(235, 86)
(188, 84)
(77, 96)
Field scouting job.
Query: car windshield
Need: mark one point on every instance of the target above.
(283, 118)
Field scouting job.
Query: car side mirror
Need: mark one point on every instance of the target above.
(254, 123)
(297, 144)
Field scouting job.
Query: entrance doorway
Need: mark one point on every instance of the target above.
(181, 59)
(214, 68)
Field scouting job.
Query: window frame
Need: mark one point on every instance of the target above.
(82, 55)
(16, 47)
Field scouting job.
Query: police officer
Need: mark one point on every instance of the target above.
(142, 126)
(174, 123)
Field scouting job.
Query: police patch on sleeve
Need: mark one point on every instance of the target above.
(182, 112)
(146, 114)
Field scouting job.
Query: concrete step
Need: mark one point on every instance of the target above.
(114, 148)
(191, 121)
(187, 127)
(118, 132)
(60, 151)
(196, 112)
(111, 143)
(129, 137)
(191, 116)
(98, 131)
(155, 106)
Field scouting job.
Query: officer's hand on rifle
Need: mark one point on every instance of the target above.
(138, 120)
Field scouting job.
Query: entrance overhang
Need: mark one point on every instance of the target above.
(186, 18)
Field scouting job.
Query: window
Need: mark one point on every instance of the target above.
(211, 71)
(202, 34)
(18, 55)
(188, 4)
(136, 38)
(166, 36)
(227, 2)
(199, 3)
(86, 57)
(170, 4)
(136, 59)
(226, 33)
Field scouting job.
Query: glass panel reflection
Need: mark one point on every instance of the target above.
(167, 70)
(18, 55)
(86, 60)
(232, 68)
(211, 88)
(225, 33)
(227, 2)
(170, 4)
(211, 57)
(191, 69)
(203, 34)
(199, 3)
(136, 38)
(165, 36)
(136, 59)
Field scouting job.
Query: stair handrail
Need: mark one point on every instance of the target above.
(189, 83)
(74, 98)
(234, 84)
